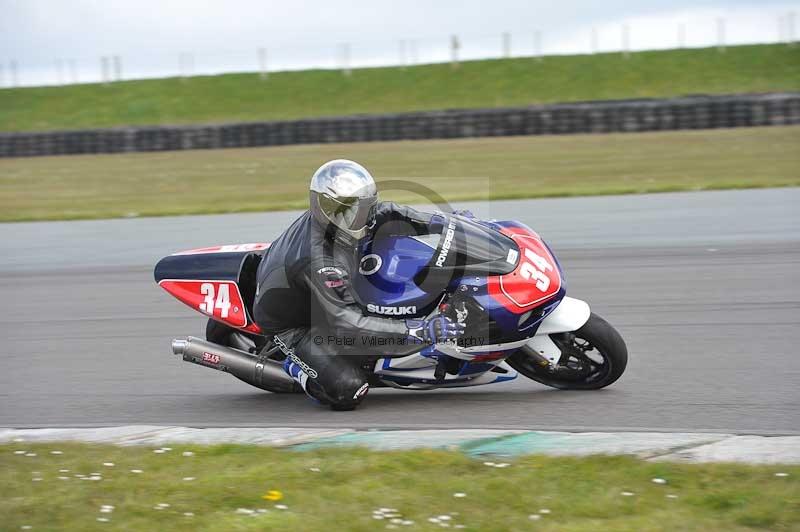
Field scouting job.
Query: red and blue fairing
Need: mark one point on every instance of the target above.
(505, 275)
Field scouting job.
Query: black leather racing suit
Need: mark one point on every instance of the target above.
(304, 299)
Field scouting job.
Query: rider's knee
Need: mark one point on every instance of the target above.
(348, 390)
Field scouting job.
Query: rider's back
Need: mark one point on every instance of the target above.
(281, 302)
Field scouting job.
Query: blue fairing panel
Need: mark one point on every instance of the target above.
(388, 269)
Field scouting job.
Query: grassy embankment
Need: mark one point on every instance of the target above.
(489, 83)
(257, 179)
(97, 487)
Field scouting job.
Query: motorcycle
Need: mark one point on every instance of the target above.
(499, 278)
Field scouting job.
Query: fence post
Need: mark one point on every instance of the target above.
(413, 58)
(117, 68)
(104, 69)
(506, 45)
(454, 46)
(626, 44)
(721, 34)
(537, 45)
(346, 59)
(262, 63)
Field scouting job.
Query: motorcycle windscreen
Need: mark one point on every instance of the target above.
(470, 248)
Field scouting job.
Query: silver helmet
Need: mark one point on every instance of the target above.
(344, 195)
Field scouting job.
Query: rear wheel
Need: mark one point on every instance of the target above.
(221, 334)
(592, 357)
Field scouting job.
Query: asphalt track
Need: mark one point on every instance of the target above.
(704, 287)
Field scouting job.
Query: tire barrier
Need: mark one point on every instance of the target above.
(693, 112)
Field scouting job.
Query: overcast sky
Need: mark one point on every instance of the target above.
(46, 38)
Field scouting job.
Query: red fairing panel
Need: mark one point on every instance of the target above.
(536, 278)
(231, 248)
(220, 300)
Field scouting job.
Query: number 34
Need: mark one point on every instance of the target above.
(535, 267)
(222, 301)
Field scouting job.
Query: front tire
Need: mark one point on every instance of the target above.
(592, 357)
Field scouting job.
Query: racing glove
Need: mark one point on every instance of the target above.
(436, 330)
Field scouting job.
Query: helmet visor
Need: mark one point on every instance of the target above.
(349, 213)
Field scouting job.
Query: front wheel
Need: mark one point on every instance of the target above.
(592, 357)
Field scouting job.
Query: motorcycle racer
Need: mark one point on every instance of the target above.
(304, 297)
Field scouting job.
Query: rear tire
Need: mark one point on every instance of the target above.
(593, 357)
(222, 334)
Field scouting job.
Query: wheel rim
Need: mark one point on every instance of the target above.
(581, 360)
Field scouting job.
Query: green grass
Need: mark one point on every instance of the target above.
(258, 179)
(489, 83)
(580, 493)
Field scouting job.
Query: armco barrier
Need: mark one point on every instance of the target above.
(695, 112)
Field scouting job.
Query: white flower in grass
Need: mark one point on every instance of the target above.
(30, 454)
(63, 478)
(103, 519)
(534, 517)
(281, 507)
(781, 474)
(188, 479)
(245, 511)
(443, 517)
(56, 452)
(167, 448)
(490, 464)
(314, 469)
(544, 511)
(671, 496)
(459, 495)
(377, 516)
(188, 453)
(25, 527)
(659, 481)
(108, 464)
(20, 452)
(433, 520)
(159, 451)
(188, 514)
(63, 470)
(627, 493)
(18, 440)
(137, 471)
(36, 479)
(502, 464)
(408, 522)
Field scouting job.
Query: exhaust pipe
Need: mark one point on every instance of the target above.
(258, 371)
